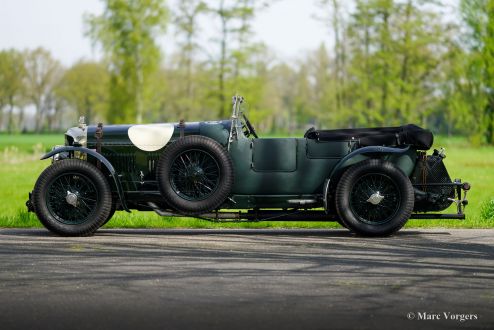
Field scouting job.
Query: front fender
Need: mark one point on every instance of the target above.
(103, 160)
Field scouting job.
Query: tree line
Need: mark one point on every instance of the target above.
(390, 62)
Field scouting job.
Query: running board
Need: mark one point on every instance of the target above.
(252, 215)
(428, 216)
(282, 215)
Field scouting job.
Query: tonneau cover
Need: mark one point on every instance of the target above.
(380, 136)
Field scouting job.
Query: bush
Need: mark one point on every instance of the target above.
(487, 210)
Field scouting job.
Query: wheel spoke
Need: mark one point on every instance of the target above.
(86, 197)
(194, 175)
(384, 194)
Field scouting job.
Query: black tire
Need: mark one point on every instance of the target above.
(332, 207)
(112, 213)
(79, 217)
(374, 198)
(195, 174)
(341, 222)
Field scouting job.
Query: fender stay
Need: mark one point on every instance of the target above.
(103, 160)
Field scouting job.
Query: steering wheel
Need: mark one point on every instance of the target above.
(250, 128)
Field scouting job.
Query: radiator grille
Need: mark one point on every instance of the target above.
(153, 162)
(123, 162)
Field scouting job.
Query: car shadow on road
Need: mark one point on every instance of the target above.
(268, 232)
(246, 232)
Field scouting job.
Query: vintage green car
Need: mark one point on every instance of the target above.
(370, 180)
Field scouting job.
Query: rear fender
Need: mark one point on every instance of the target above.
(404, 158)
(103, 160)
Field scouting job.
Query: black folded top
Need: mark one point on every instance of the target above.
(380, 136)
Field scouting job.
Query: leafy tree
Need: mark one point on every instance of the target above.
(186, 20)
(479, 17)
(43, 73)
(127, 32)
(226, 15)
(250, 61)
(84, 87)
(12, 88)
(396, 54)
(334, 19)
(326, 88)
(234, 46)
(245, 49)
(282, 81)
(361, 40)
(186, 23)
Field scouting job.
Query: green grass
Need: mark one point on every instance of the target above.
(29, 143)
(20, 166)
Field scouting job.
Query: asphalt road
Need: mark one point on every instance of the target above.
(246, 279)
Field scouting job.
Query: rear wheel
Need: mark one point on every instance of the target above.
(332, 207)
(374, 198)
(72, 198)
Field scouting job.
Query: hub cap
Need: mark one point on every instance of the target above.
(71, 198)
(375, 198)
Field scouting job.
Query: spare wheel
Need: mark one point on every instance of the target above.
(195, 174)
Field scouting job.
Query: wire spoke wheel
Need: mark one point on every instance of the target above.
(71, 198)
(195, 175)
(375, 198)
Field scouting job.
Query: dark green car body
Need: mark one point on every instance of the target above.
(268, 171)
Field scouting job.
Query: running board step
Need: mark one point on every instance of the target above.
(283, 215)
(428, 216)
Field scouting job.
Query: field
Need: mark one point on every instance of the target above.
(20, 166)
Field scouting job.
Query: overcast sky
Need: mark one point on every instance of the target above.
(287, 27)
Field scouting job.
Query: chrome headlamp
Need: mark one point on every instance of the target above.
(77, 135)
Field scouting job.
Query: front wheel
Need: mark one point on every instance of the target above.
(374, 198)
(72, 198)
(112, 213)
